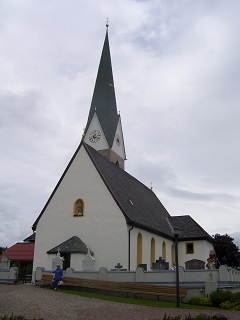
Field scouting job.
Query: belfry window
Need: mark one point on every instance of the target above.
(78, 208)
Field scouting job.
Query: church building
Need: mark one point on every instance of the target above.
(100, 211)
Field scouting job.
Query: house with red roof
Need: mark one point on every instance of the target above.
(21, 252)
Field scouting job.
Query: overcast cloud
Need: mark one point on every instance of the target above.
(176, 68)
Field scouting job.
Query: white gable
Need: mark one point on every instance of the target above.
(95, 136)
(102, 228)
(118, 143)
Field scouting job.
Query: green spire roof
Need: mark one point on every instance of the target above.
(104, 100)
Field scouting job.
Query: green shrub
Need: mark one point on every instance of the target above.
(231, 305)
(235, 297)
(226, 300)
(226, 305)
(29, 269)
(219, 297)
(201, 302)
(195, 301)
(237, 306)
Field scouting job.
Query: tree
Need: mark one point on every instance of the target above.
(226, 251)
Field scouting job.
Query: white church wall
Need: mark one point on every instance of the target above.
(201, 251)
(50, 258)
(133, 248)
(76, 260)
(146, 248)
(159, 249)
(102, 228)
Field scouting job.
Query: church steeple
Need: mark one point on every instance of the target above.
(103, 130)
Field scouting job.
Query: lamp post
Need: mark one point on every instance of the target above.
(176, 234)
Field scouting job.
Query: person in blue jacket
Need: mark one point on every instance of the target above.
(57, 277)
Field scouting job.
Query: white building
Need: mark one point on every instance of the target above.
(96, 205)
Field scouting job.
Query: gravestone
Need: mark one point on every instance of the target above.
(143, 265)
(194, 264)
(58, 260)
(88, 263)
(160, 264)
(5, 263)
(118, 267)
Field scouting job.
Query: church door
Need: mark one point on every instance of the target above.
(66, 261)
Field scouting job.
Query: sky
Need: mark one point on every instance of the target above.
(176, 68)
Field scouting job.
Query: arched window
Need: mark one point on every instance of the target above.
(78, 208)
(164, 250)
(152, 258)
(139, 249)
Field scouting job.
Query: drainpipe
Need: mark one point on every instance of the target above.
(129, 245)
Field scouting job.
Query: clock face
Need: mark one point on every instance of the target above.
(94, 136)
(118, 140)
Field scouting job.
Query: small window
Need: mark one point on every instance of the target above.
(189, 248)
(78, 208)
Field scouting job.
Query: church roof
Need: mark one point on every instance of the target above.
(31, 238)
(139, 204)
(72, 245)
(189, 228)
(104, 99)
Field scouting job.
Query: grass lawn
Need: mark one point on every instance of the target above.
(143, 302)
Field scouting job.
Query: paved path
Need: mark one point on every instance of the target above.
(31, 301)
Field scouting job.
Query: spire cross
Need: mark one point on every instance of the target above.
(107, 23)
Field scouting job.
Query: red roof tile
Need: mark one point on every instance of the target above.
(21, 252)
